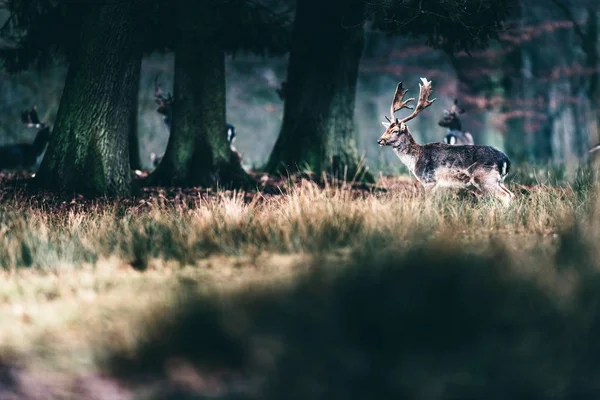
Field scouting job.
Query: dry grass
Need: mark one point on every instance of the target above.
(85, 280)
(307, 219)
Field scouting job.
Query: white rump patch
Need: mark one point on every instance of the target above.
(452, 140)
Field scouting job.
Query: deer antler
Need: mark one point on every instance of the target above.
(423, 103)
(397, 103)
(455, 108)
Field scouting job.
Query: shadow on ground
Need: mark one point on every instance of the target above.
(434, 323)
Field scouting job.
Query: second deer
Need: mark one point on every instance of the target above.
(26, 155)
(451, 121)
(435, 165)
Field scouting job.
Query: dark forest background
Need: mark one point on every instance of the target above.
(534, 93)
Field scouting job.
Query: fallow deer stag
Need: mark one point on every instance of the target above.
(451, 121)
(435, 165)
(26, 155)
(165, 107)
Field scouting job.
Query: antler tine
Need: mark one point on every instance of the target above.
(424, 102)
(397, 103)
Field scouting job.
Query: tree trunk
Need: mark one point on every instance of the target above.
(543, 138)
(135, 161)
(317, 132)
(593, 63)
(89, 149)
(198, 153)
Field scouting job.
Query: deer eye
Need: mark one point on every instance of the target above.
(396, 132)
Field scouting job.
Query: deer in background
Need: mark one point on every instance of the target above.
(435, 165)
(165, 108)
(26, 155)
(450, 120)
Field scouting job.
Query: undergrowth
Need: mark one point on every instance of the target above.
(307, 219)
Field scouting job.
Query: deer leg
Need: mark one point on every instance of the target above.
(495, 189)
(505, 189)
(491, 184)
(430, 187)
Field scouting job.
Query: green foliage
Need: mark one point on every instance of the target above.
(41, 31)
(449, 24)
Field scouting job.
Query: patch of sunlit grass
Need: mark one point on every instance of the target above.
(307, 219)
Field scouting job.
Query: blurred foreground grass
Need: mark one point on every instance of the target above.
(319, 293)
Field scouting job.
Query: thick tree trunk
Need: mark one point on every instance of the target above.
(135, 160)
(198, 153)
(89, 150)
(317, 132)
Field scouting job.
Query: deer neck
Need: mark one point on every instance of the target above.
(409, 152)
(455, 125)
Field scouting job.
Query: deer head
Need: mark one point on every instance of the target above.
(164, 103)
(450, 118)
(396, 130)
(31, 120)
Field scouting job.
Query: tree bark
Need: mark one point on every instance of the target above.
(593, 62)
(89, 149)
(135, 160)
(198, 153)
(317, 132)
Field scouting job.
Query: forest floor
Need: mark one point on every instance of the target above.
(365, 292)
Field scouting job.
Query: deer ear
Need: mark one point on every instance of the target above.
(386, 124)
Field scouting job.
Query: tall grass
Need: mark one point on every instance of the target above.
(318, 293)
(307, 219)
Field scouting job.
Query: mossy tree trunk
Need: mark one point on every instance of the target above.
(317, 132)
(198, 153)
(135, 160)
(89, 149)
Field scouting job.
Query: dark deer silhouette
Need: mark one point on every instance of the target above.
(455, 134)
(165, 108)
(25, 156)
